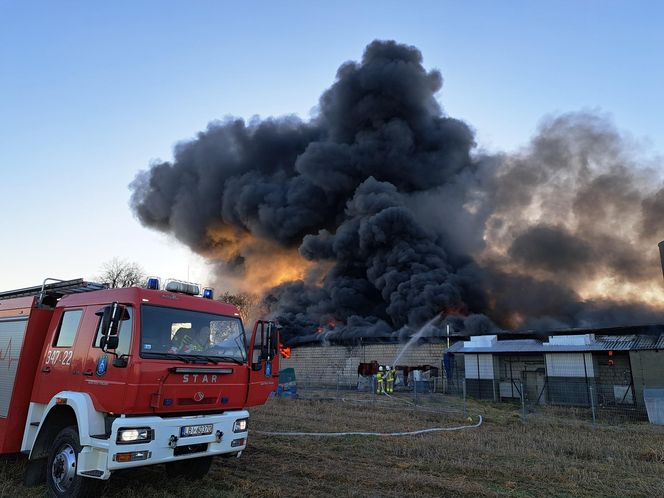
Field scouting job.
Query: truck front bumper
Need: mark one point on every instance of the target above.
(167, 444)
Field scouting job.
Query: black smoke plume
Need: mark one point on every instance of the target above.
(389, 216)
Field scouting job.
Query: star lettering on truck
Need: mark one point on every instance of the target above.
(193, 378)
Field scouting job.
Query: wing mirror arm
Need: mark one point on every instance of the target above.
(112, 316)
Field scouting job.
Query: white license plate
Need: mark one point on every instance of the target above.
(196, 430)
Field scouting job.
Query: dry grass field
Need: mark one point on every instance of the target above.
(504, 457)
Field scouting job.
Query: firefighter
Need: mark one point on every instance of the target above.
(185, 341)
(380, 381)
(203, 338)
(180, 340)
(390, 380)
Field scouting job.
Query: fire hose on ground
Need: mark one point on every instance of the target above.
(378, 434)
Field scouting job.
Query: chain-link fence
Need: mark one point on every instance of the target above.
(581, 385)
(350, 374)
(578, 398)
(584, 386)
(420, 396)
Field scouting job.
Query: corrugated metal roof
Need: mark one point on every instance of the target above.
(601, 343)
(340, 336)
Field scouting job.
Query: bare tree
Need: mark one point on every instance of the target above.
(121, 273)
(248, 304)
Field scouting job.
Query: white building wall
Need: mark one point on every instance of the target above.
(569, 365)
(481, 341)
(479, 366)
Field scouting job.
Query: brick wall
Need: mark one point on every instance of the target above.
(327, 365)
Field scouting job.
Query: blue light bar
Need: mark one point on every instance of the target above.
(208, 293)
(153, 283)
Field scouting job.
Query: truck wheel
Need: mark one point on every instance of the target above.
(196, 468)
(61, 477)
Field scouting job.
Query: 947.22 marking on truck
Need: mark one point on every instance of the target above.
(63, 357)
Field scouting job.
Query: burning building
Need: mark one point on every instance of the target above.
(338, 365)
(379, 213)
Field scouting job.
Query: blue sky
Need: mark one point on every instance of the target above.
(92, 92)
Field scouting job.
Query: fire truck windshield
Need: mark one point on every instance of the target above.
(189, 335)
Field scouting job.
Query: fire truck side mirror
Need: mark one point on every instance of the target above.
(112, 315)
(111, 342)
(262, 336)
(273, 340)
(270, 341)
(266, 344)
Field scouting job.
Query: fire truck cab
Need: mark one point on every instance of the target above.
(93, 380)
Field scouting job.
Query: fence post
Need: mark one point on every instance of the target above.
(592, 401)
(523, 402)
(337, 385)
(374, 386)
(465, 411)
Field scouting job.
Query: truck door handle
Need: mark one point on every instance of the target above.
(46, 370)
(88, 373)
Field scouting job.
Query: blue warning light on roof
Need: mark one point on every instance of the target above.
(208, 293)
(153, 283)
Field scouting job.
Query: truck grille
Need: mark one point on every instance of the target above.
(190, 448)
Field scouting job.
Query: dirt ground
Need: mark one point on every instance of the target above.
(503, 457)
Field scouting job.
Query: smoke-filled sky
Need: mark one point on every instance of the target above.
(391, 215)
(91, 94)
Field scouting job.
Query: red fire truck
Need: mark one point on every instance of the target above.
(94, 380)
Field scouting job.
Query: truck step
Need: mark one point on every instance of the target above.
(92, 473)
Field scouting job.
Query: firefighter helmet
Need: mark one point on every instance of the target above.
(380, 368)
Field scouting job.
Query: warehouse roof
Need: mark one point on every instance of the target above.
(345, 337)
(560, 344)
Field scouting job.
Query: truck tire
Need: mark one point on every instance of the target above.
(196, 468)
(61, 477)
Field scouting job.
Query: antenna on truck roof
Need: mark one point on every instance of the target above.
(53, 291)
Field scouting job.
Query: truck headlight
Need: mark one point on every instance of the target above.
(240, 425)
(135, 435)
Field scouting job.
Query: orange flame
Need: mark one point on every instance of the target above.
(454, 310)
(285, 351)
(264, 263)
(330, 323)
